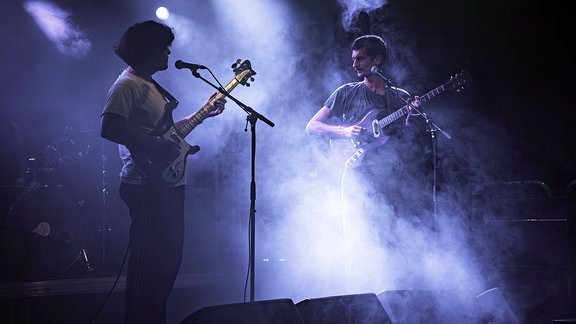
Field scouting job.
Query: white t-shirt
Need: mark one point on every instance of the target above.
(143, 106)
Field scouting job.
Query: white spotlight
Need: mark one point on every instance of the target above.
(162, 13)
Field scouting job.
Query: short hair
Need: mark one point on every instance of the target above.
(142, 40)
(373, 44)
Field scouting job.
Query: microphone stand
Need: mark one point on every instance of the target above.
(433, 129)
(252, 118)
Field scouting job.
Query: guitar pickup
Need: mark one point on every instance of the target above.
(175, 137)
(375, 128)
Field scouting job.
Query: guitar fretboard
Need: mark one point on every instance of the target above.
(203, 112)
(406, 109)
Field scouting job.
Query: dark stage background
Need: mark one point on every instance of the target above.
(505, 191)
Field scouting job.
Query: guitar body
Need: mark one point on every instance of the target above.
(160, 169)
(172, 171)
(352, 151)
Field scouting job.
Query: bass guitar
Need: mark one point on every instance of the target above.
(159, 169)
(352, 151)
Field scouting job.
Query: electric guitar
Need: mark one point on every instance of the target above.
(159, 169)
(352, 151)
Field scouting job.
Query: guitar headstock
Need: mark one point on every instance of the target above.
(243, 72)
(458, 81)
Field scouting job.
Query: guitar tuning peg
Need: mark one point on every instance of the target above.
(247, 84)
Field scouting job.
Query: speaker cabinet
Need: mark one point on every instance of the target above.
(360, 308)
(282, 311)
(429, 306)
(496, 308)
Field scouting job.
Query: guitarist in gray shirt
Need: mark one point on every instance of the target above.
(138, 116)
(367, 151)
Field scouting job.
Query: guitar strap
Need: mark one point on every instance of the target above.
(165, 93)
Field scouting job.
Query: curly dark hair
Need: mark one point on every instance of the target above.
(374, 45)
(143, 40)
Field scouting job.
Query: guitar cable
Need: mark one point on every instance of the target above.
(107, 297)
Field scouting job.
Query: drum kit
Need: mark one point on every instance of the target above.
(53, 213)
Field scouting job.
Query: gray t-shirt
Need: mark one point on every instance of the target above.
(351, 102)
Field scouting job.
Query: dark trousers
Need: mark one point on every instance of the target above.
(155, 249)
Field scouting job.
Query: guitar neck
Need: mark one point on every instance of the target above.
(202, 113)
(406, 109)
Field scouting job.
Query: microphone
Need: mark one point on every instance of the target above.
(183, 65)
(378, 72)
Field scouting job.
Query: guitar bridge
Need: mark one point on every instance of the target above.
(355, 158)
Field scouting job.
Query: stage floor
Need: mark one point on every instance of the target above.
(100, 299)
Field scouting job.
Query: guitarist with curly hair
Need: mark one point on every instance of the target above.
(137, 116)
